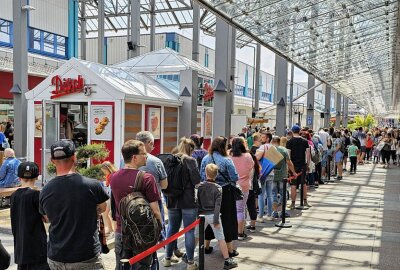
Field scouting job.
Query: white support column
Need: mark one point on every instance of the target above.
(257, 80)
(345, 111)
(338, 109)
(152, 25)
(327, 116)
(83, 30)
(196, 32)
(135, 28)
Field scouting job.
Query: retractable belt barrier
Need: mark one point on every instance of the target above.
(153, 249)
(283, 223)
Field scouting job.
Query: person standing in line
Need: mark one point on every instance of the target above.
(338, 154)
(256, 143)
(8, 170)
(362, 138)
(121, 182)
(210, 198)
(9, 133)
(280, 172)
(353, 153)
(218, 155)
(198, 153)
(30, 239)
(244, 164)
(108, 169)
(299, 152)
(72, 203)
(5, 258)
(266, 186)
(184, 207)
(369, 144)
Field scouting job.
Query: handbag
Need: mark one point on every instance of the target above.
(236, 191)
(5, 144)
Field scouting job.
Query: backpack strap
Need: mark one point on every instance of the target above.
(137, 187)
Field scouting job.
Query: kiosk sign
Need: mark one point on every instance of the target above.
(66, 86)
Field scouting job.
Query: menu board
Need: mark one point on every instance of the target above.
(208, 125)
(101, 122)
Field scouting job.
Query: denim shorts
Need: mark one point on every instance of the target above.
(338, 157)
(95, 263)
(218, 232)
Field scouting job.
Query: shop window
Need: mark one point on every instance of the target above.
(206, 58)
(6, 33)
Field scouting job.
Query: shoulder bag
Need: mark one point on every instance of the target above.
(236, 191)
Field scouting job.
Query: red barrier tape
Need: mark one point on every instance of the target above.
(151, 250)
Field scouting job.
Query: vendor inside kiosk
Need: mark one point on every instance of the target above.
(73, 122)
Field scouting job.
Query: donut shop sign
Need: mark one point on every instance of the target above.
(67, 86)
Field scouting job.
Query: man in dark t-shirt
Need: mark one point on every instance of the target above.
(300, 155)
(121, 182)
(72, 203)
(30, 239)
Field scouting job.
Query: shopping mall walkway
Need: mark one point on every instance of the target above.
(354, 224)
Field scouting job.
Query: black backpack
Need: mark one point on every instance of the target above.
(173, 165)
(140, 228)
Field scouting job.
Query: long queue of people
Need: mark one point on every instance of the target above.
(226, 183)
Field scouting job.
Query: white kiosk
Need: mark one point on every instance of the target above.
(93, 103)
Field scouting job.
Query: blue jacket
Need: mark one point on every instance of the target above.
(225, 166)
(8, 172)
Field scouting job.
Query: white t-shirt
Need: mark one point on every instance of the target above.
(263, 148)
(323, 136)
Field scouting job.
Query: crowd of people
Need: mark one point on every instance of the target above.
(226, 183)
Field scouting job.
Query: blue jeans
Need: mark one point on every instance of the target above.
(266, 191)
(175, 218)
(143, 264)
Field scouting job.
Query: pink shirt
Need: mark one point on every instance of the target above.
(244, 165)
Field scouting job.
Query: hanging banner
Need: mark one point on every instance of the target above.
(38, 121)
(101, 122)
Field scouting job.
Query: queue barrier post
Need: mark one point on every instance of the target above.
(124, 264)
(283, 223)
(201, 242)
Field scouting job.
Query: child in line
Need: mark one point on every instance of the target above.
(30, 239)
(375, 154)
(353, 153)
(209, 198)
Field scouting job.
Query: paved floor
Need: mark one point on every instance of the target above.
(353, 224)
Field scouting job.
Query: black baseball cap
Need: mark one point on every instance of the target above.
(62, 149)
(28, 170)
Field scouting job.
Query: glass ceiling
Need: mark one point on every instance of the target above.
(349, 43)
(169, 13)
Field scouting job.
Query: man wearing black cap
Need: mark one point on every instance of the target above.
(299, 151)
(71, 203)
(30, 237)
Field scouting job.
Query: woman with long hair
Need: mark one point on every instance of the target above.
(199, 153)
(253, 193)
(108, 169)
(244, 165)
(184, 207)
(227, 176)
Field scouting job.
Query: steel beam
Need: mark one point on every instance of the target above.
(100, 36)
(196, 32)
(310, 102)
(83, 30)
(257, 79)
(327, 111)
(291, 95)
(152, 25)
(281, 74)
(345, 111)
(135, 28)
(221, 109)
(20, 76)
(338, 109)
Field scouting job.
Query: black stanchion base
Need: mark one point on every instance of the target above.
(301, 207)
(283, 224)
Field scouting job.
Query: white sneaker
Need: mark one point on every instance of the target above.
(269, 218)
(192, 266)
(260, 220)
(166, 262)
(174, 259)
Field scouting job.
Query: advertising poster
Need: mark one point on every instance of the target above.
(38, 121)
(208, 125)
(101, 126)
(154, 122)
